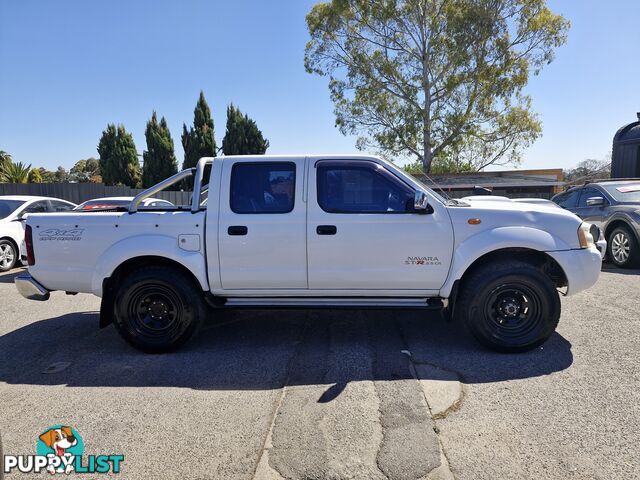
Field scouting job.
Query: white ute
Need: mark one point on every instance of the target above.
(308, 231)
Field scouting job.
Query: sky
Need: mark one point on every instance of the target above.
(69, 67)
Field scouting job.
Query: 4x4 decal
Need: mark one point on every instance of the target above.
(56, 234)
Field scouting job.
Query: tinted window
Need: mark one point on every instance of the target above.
(361, 188)
(7, 207)
(57, 206)
(36, 207)
(586, 194)
(569, 199)
(262, 187)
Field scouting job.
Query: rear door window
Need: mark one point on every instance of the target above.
(262, 187)
(569, 199)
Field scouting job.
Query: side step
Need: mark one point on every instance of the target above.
(330, 302)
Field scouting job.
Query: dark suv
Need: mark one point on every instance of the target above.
(614, 206)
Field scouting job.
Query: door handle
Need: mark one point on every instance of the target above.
(237, 230)
(326, 229)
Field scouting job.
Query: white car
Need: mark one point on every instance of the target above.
(108, 203)
(314, 231)
(13, 209)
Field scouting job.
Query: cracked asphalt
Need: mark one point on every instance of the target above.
(330, 394)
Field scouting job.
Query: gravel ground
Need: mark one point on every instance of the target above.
(328, 394)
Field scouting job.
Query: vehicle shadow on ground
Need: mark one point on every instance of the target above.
(265, 349)
(620, 271)
(9, 277)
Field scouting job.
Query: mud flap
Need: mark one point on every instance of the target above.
(106, 305)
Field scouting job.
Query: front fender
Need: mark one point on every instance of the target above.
(499, 238)
(147, 245)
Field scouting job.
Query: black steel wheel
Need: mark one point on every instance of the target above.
(509, 306)
(157, 309)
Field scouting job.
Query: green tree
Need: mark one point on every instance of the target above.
(199, 140)
(589, 169)
(242, 136)
(60, 175)
(84, 170)
(15, 173)
(5, 159)
(46, 175)
(35, 176)
(118, 157)
(159, 158)
(423, 79)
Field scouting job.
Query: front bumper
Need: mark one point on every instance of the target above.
(581, 266)
(30, 289)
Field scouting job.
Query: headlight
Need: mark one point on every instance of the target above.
(585, 236)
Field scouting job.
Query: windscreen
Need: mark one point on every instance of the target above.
(625, 192)
(7, 207)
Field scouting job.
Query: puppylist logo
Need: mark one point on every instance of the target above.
(60, 449)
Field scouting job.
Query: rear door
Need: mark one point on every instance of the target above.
(262, 225)
(364, 235)
(569, 200)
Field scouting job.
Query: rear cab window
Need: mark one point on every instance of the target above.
(262, 187)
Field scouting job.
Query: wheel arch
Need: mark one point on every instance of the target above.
(128, 266)
(13, 242)
(157, 249)
(619, 222)
(542, 260)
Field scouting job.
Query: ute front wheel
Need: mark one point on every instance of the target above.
(157, 309)
(509, 307)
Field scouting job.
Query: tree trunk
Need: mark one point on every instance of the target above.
(427, 158)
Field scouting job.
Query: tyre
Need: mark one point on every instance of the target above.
(8, 255)
(623, 248)
(157, 309)
(509, 306)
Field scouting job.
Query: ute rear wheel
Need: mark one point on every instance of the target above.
(509, 306)
(623, 248)
(157, 309)
(8, 255)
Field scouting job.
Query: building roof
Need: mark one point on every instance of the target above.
(502, 179)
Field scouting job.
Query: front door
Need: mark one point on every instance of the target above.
(594, 214)
(262, 225)
(363, 234)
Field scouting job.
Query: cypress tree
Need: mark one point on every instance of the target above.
(242, 136)
(159, 158)
(199, 140)
(118, 157)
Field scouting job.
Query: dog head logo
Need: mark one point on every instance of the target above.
(60, 441)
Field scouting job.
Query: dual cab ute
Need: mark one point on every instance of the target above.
(314, 231)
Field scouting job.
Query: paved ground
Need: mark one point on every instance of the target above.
(331, 394)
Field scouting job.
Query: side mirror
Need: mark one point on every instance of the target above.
(421, 203)
(595, 202)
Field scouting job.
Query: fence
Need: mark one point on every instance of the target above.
(81, 192)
